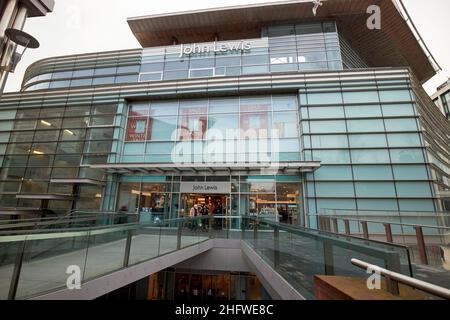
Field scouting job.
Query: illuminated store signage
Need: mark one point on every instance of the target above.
(205, 187)
(214, 47)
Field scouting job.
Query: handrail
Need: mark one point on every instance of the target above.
(53, 222)
(411, 282)
(57, 217)
(299, 228)
(424, 213)
(175, 228)
(347, 217)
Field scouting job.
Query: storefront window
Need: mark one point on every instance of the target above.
(128, 197)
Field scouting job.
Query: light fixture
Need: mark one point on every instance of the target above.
(46, 123)
(23, 39)
(69, 132)
(37, 152)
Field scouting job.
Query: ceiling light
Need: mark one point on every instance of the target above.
(46, 123)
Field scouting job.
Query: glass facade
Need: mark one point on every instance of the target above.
(368, 130)
(45, 146)
(370, 144)
(277, 198)
(213, 130)
(285, 48)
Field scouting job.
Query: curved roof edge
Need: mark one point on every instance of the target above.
(395, 45)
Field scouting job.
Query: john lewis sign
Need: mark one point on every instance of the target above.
(214, 47)
(205, 187)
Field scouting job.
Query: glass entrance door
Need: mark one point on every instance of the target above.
(216, 205)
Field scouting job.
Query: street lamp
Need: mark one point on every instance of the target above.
(23, 39)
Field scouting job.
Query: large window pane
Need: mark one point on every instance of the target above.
(333, 173)
(407, 155)
(221, 123)
(43, 148)
(97, 147)
(162, 128)
(227, 105)
(370, 156)
(22, 136)
(375, 189)
(361, 97)
(40, 160)
(401, 125)
(326, 112)
(395, 95)
(280, 103)
(365, 125)
(164, 108)
(327, 126)
(49, 124)
(102, 121)
(324, 98)
(413, 189)
(69, 123)
(334, 189)
(329, 141)
(67, 160)
(128, 197)
(70, 147)
(100, 134)
(410, 172)
(367, 141)
(286, 123)
(73, 134)
(22, 148)
(24, 124)
(77, 111)
(404, 140)
(332, 156)
(368, 172)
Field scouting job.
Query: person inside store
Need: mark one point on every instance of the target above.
(193, 214)
(205, 213)
(219, 213)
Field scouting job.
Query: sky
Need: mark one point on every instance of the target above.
(83, 26)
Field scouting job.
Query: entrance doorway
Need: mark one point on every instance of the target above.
(216, 204)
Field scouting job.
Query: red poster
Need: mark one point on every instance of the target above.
(136, 129)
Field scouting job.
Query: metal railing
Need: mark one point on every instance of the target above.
(35, 263)
(429, 243)
(80, 219)
(394, 278)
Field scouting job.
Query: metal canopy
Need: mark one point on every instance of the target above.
(44, 196)
(78, 181)
(286, 168)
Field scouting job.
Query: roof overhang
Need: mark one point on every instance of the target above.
(395, 45)
(78, 181)
(44, 196)
(38, 8)
(193, 169)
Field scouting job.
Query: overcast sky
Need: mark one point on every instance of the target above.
(82, 26)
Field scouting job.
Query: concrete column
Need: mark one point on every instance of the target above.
(10, 47)
(6, 19)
